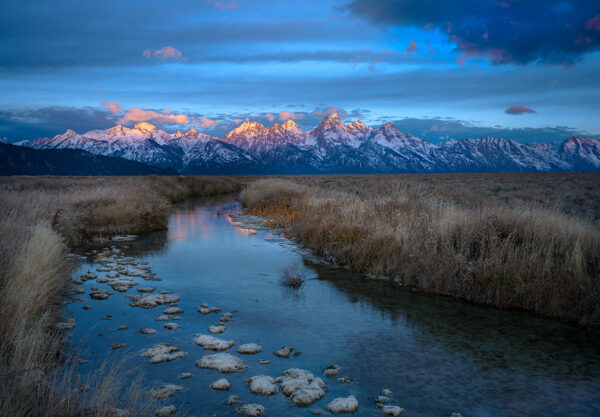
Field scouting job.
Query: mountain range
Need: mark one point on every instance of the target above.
(331, 147)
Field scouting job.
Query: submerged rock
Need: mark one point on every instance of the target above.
(217, 329)
(264, 362)
(380, 399)
(284, 352)
(145, 289)
(262, 385)
(171, 326)
(214, 309)
(165, 411)
(203, 311)
(164, 391)
(222, 362)
(102, 280)
(185, 375)
(122, 284)
(173, 310)
(212, 343)
(331, 370)
(251, 410)
(392, 410)
(231, 400)
(249, 349)
(162, 352)
(113, 275)
(147, 330)
(220, 385)
(118, 345)
(387, 392)
(153, 300)
(99, 294)
(225, 317)
(163, 318)
(122, 328)
(301, 387)
(343, 405)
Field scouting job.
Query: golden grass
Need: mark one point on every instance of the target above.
(40, 218)
(457, 235)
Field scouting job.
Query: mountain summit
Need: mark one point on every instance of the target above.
(331, 147)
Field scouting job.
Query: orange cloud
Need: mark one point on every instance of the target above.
(285, 115)
(112, 107)
(164, 118)
(270, 117)
(167, 52)
(223, 5)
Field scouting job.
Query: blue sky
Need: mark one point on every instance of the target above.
(524, 70)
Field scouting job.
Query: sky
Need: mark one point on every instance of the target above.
(527, 70)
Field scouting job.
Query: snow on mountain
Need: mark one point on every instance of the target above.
(331, 147)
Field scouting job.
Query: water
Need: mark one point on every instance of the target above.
(435, 354)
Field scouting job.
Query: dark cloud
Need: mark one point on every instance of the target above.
(518, 110)
(554, 32)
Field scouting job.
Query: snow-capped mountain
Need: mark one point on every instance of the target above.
(331, 147)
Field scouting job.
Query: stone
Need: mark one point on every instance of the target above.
(162, 352)
(345, 380)
(217, 329)
(392, 410)
(343, 405)
(164, 391)
(98, 294)
(118, 345)
(231, 400)
(262, 385)
(102, 280)
(222, 362)
(171, 326)
(251, 410)
(113, 275)
(122, 328)
(147, 330)
(331, 370)
(264, 362)
(301, 387)
(220, 385)
(153, 300)
(203, 311)
(214, 309)
(380, 399)
(387, 392)
(185, 375)
(173, 310)
(163, 318)
(284, 352)
(122, 284)
(145, 289)
(87, 307)
(212, 343)
(165, 411)
(249, 349)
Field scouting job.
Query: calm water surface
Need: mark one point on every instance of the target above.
(435, 354)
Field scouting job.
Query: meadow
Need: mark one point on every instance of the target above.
(524, 241)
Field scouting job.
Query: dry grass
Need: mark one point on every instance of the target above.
(525, 241)
(40, 218)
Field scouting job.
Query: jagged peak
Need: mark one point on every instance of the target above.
(70, 132)
(333, 116)
(359, 123)
(289, 123)
(388, 126)
(144, 127)
(248, 125)
(178, 134)
(191, 130)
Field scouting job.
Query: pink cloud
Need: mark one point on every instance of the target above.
(518, 110)
(331, 110)
(112, 107)
(165, 118)
(223, 5)
(167, 52)
(270, 117)
(206, 123)
(593, 23)
(412, 46)
(285, 115)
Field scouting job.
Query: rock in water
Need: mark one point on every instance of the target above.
(153, 300)
(164, 391)
(331, 370)
(301, 387)
(262, 385)
(173, 310)
(212, 343)
(392, 410)
(284, 352)
(185, 375)
(343, 405)
(222, 362)
(220, 385)
(249, 349)
(147, 330)
(217, 329)
(171, 326)
(165, 411)
(251, 410)
(162, 352)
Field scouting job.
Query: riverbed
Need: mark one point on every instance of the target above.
(435, 355)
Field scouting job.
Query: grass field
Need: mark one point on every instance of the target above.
(527, 241)
(40, 219)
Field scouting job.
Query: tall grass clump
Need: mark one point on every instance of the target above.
(41, 219)
(518, 254)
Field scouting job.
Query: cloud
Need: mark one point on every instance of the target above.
(166, 52)
(326, 112)
(112, 107)
(412, 46)
(208, 123)
(165, 118)
(270, 117)
(551, 32)
(223, 5)
(285, 115)
(518, 110)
